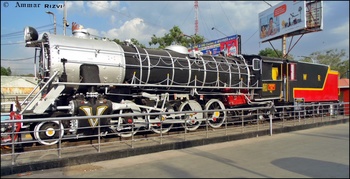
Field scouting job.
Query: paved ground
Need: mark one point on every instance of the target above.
(321, 152)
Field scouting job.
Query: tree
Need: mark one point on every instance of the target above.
(134, 41)
(6, 72)
(269, 52)
(337, 60)
(137, 43)
(176, 36)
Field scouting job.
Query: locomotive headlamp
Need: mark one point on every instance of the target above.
(30, 34)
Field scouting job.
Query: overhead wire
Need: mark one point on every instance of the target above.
(17, 59)
(205, 23)
(227, 17)
(21, 32)
(163, 9)
(212, 21)
(192, 10)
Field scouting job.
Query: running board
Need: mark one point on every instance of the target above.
(45, 102)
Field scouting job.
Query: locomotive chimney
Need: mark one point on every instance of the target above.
(79, 31)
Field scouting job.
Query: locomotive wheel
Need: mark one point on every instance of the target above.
(124, 127)
(47, 133)
(192, 120)
(216, 118)
(125, 124)
(163, 127)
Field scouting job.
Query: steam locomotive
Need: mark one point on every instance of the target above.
(82, 76)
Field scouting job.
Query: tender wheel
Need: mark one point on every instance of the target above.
(47, 133)
(215, 118)
(192, 120)
(165, 127)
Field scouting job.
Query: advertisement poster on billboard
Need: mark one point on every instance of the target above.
(283, 18)
(226, 46)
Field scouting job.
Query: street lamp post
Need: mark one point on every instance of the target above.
(54, 20)
(218, 31)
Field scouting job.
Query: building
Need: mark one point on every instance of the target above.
(343, 85)
(12, 86)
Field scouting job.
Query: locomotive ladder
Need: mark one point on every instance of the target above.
(46, 101)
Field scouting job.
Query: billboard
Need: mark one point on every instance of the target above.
(227, 46)
(290, 17)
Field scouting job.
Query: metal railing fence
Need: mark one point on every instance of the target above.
(240, 120)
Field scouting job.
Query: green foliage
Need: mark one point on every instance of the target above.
(28, 75)
(134, 41)
(6, 72)
(117, 41)
(269, 52)
(337, 60)
(137, 43)
(176, 36)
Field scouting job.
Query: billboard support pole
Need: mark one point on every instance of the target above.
(284, 46)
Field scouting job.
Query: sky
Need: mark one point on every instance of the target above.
(143, 19)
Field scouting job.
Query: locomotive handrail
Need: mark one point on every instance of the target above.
(205, 72)
(149, 65)
(38, 93)
(230, 71)
(189, 70)
(139, 57)
(248, 70)
(30, 94)
(239, 69)
(147, 85)
(173, 67)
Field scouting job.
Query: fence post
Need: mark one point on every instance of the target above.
(99, 136)
(206, 125)
(132, 133)
(313, 112)
(283, 117)
(242, 118)
(226, 125)
(13, 142)
(161, 130)
(185, 129)
(59, 139)
(270, 116)
(257, 118)
(272, 112)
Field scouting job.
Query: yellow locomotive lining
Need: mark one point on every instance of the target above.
(329, 71)
(88, 112)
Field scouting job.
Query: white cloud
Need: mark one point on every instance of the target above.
(112, 19)
(134, 28)
(93, 32)
(74, 6)
(101, 7)
(344, 30)
(342, 34)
